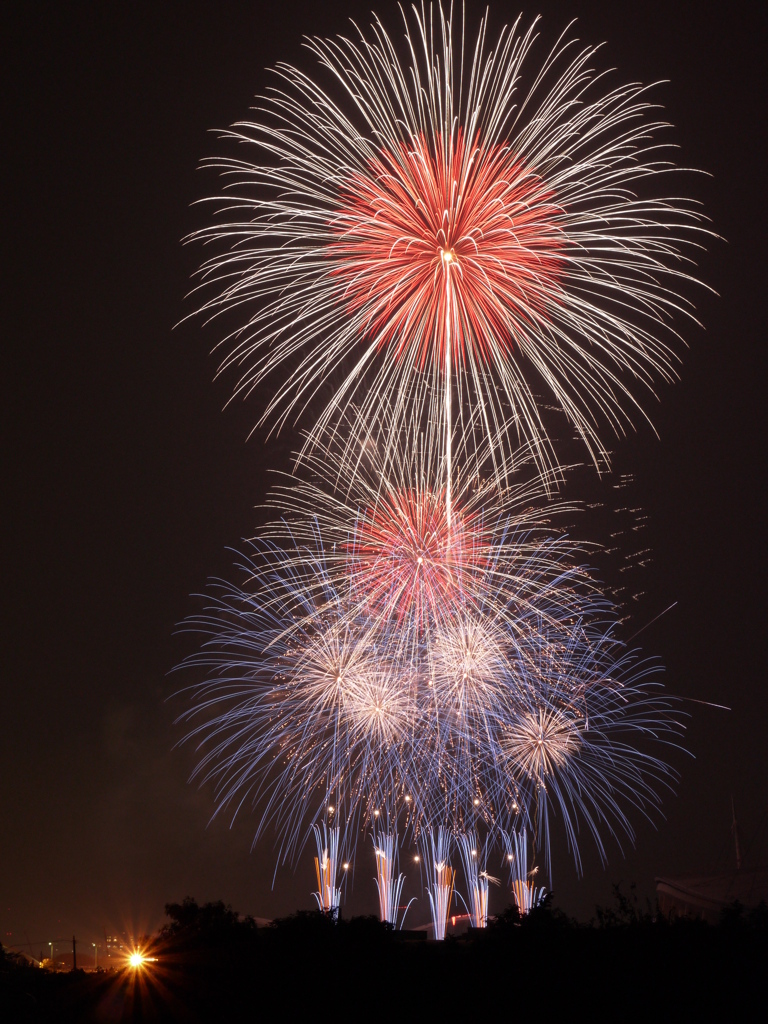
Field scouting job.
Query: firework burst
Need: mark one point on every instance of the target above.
(429, 238)
(384, 520)
(496, 705)
(575, 735)
(301, 709)
(456, 224)
(438, 242)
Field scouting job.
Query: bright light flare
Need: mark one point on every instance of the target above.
(138, 960)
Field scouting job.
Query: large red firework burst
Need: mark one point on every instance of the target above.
(447, 242)
(485, 238)
(406, 560)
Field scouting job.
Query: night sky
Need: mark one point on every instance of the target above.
(126, 479)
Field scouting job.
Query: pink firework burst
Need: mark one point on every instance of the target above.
(406, 559)
(392, 548)
(448, 243)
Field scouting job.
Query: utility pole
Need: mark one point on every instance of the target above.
(74, 953)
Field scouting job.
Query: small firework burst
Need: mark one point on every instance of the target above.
(542, 741)
(576, 738)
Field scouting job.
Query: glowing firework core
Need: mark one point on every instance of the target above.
(430, 211)
(543, 741)
(408, 559)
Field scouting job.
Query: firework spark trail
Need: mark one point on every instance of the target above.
(477, 878)
(527, 895)
(436, 853)
(389, 882)
(328, 893)
(461, 221)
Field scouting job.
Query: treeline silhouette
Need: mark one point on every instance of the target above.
(214, 965)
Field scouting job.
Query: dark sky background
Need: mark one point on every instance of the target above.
(125, 479)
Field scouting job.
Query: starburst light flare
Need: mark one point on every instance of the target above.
(451, 218)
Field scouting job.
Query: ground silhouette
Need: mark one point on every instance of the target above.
(212, 965)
